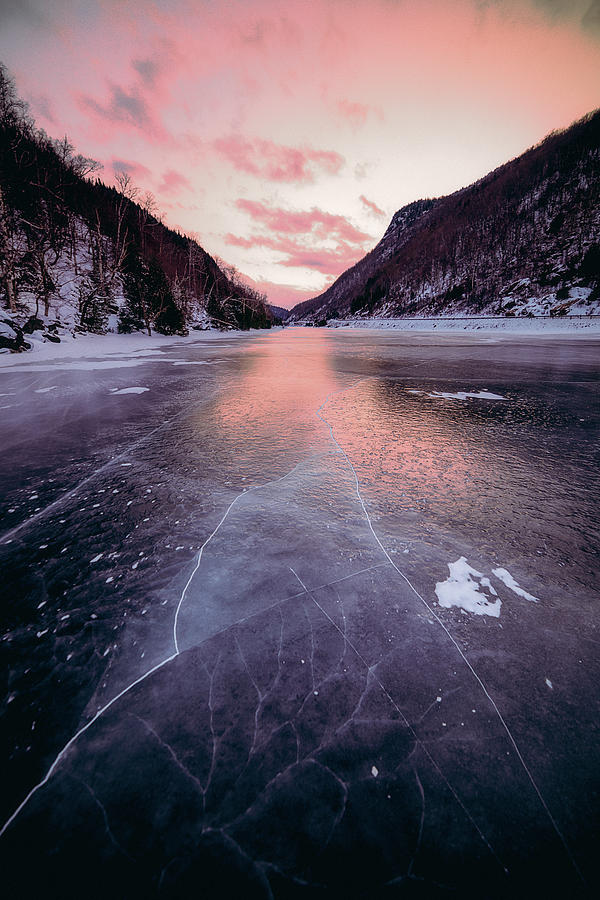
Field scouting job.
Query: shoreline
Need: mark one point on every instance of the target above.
(100, 346)
(579, 326)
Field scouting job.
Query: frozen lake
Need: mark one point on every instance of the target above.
(312, 613)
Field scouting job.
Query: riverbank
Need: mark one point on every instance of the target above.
(565, 325)
(101, 346)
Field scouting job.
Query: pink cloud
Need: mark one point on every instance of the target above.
(303, 237)
(148, 70)
(124, 107)
(371, 207)
(173, 182)
(316, 222)
(276, 162)
(357, 113)
(135, 169)
(328, 262)
(298, 254)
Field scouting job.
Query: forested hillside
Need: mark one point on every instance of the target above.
(524, 240)
(70, 242)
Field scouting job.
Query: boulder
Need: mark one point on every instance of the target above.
(11, 336)
(33, 324)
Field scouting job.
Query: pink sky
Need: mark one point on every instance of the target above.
(284, 135)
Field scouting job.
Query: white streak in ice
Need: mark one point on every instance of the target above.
(78, 734)
(155, 668)
(507, 579)
(460, 651)
(209, 539)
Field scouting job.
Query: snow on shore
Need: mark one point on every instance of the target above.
(95, 351)
(558, 325)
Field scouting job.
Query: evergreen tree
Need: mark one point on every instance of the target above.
(134, 314)
(168, 319)
(94, 302)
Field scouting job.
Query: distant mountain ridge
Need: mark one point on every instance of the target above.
(523, 240)
(279, 312)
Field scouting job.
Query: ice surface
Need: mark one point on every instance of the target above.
(324, 712)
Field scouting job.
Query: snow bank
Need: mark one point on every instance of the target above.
(96, 351)
(563, 325)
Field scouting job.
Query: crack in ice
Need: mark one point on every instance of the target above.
(56, 504)
(244, 493)
(512, 740)
(371, 673)
(169, 750)
(102, 809)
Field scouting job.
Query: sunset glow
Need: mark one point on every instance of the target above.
(285, 135)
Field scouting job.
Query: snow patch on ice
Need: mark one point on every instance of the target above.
(507, 579)
(194, 362)
(461, 589)
(129, 390)
(463, 395)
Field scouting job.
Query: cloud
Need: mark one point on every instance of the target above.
(357, 113)
(275, 162)
(296, 254)
(135, 169)
(125, 107)
(24, 11)
(147, 69)
(591, 20)
(584, 12)
(307, 239)
(42, 106)
(173, 182)
(371, 207)
(361, 170)
(319, 224)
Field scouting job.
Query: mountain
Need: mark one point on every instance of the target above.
(278, 313)
(76, 252)
(523, 240)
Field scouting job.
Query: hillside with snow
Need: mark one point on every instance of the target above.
(522, 241)
(78, 256)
